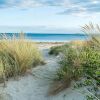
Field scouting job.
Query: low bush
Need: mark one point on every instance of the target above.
(91, 62)
(57, 49)
(91, 53)
(70, 69)
(80, 62)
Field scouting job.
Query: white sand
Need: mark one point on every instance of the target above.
(35, 86)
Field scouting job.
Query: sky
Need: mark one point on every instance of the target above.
(47, 16)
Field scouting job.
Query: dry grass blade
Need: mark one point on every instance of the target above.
(18, 55)
(93, 31)
(59, 86)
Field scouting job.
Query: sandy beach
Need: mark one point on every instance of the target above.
(49, 49)
(47, 45)
(36, 83)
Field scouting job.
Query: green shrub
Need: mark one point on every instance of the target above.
(91, 53)
(70, 64)
(81, 61)
(70, 69)
(57, 49)
(91, 62)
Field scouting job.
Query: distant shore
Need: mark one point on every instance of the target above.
(43, 45)
(51, 44)
(47, 37)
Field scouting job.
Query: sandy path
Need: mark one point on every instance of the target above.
(35, 86)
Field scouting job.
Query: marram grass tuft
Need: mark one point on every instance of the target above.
(17, 55)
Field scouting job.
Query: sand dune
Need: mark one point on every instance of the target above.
(35, 85)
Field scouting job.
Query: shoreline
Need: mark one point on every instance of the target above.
(48, 44)
(42, 45)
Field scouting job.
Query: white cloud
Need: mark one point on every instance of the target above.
(76, 7)
(28, 3)
(95, 1)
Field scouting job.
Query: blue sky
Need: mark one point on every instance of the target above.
(53, 16)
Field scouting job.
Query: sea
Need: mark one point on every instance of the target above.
(49, 37)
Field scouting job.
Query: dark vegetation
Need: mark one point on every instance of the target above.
(80, 64)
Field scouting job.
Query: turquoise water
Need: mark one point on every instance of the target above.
(45, 37)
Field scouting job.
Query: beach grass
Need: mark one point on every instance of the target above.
(79, 62)
(70, 69)
(55, 50)
(17, 56)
